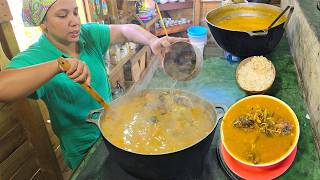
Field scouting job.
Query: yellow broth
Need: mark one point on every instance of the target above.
(246, 23)
(156, 123)
(267, 149)
(245, 16)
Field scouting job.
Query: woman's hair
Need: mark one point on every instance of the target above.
(34, 11)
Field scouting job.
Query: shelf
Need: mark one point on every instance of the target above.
(172, 29)
(120, 64)
(176, 5)
(138, 61)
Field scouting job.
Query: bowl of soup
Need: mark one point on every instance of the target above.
(242, 29)
(260, 130)
(158, 133)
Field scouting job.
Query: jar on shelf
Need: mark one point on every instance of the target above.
(118, 90)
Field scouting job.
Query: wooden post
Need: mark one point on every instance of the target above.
(37, 132)
(3, 59)
(87, 10)
(5, 15)
(7, 38)
(113, 11)
(196, 12)
(125, 7)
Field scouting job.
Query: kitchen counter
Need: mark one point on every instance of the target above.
(216, 83)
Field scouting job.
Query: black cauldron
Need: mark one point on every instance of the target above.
(260, 1)
(247, 43)
(168, 165)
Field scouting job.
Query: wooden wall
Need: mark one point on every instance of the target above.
(26, 151)
(25, 147)
(65, 170)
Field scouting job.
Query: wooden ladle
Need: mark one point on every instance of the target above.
(66, 66)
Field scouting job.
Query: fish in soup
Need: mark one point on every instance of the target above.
(262, 136)
(157, 122)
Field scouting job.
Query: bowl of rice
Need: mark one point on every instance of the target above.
(255, 74)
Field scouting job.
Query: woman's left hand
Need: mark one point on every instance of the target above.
(159, 46)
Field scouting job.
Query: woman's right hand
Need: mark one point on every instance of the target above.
(78, 72)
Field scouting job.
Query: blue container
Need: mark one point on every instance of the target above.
(197, 34)
(197, 31)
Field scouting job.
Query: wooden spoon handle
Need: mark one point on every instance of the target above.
(66, 66)
(279, 16)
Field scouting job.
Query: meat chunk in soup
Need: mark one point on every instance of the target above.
(283, 127)
(244, 122)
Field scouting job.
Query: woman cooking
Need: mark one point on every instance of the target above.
(36, 73)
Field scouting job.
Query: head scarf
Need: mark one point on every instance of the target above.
(34, 11)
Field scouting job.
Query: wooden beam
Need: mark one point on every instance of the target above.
(138, 55)
(2, 105)
(173, 29)
(11, 164)
(125, 7)
(196, 12)
(5, 14)
(36, 131)
(28, 169)
(87, 10)
(175, 6)
(8, 40)
(113, 11)
(100, 14)
(121, 62)
(4, 61)
(12, 139)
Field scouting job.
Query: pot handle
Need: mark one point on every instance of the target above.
(258, 33)
(221, 110)
(289, 16)
(95, 121)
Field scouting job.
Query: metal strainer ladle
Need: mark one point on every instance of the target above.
(183, 61)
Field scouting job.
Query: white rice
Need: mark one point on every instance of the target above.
(257, 74)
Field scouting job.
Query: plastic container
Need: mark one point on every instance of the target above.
(197, 36)
(231, 58)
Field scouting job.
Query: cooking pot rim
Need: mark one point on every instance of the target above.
(213, 106)
(285, 155)
(245, 4)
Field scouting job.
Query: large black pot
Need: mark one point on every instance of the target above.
(188, 161)
(260, 1)
(247, 43)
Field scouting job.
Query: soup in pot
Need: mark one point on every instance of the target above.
(247, 23)
(157, 122)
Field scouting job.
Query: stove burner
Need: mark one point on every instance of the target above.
(231, 175)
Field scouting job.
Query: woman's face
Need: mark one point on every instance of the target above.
(62, 22)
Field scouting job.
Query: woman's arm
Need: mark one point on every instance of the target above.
(21, 82)
(120, 33)
(134, 33)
